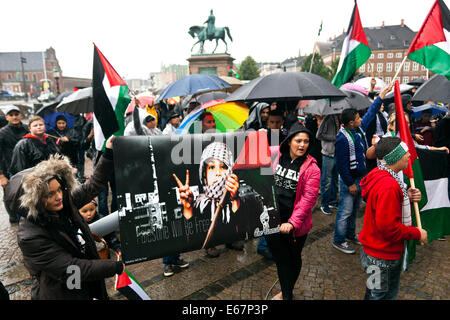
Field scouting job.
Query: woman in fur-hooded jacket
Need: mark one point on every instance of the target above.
(57, 245)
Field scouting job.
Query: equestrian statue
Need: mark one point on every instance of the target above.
(210, 32)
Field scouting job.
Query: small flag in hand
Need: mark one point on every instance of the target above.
(127, 285)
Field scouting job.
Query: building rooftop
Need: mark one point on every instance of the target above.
(380, 38)
(10, 61)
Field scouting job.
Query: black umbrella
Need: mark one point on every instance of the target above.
(437, 89)
(286, 86)
(80, 101)
(417, 82)
(354, 99)
(13, 191)
(48, 108)
(214, 95)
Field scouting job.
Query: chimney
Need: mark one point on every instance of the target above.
(403, 23)
(382, 24)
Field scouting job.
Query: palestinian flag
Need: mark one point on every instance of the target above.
(435, 205)
(403, 130)
(431, 45)
(127, 285)
(110, 95)
(355, 50)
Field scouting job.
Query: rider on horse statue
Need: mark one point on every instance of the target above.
(210, 28)
(209, 33)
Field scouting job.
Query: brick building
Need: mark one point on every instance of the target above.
(34, 72)
(389, 45)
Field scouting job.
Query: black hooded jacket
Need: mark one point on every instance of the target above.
(9, 136)
(29, 151)
(70, 148)
(286, 173)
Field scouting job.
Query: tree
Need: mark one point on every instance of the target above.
(334, 66)
(248, 69)
(318, 68)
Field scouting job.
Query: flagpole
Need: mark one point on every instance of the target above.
(399, 68)
(416, 208)
(314, 48)
(115, 282)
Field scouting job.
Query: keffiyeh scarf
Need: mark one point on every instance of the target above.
(351, 146)
(213, 193)
(406, 208)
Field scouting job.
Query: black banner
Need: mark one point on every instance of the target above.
(169, 189)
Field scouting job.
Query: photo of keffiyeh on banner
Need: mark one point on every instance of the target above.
(188, 192)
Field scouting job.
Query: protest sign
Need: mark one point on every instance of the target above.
(169, 189)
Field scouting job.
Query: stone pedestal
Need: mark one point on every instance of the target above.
(211, 64)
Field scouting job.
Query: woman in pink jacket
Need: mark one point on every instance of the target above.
(297, 181)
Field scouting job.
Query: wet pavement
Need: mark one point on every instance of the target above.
(246, 275)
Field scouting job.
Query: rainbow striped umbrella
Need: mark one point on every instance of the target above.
(229, 116)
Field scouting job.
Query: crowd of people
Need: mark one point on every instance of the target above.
(345, 158)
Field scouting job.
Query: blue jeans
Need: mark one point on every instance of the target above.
(262, 244)
(346, 214)
(328, 181)
(103, 200)
(171, 259)
(383, 279)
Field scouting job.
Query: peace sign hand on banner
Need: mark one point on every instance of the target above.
(186, 195)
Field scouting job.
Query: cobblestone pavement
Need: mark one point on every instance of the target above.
(245, 275)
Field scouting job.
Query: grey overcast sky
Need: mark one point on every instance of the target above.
(138, 36)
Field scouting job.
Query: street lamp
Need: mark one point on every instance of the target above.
(56, 76)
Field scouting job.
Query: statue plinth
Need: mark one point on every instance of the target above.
(211, 64)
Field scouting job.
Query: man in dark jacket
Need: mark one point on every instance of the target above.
(57, 245)
(9, 136)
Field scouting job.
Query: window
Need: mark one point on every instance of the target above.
(397, 65)
(398, 55)
(9, 76)
(34, 77)
(387, 79)
(379, 67)
(380, 55)
(406, 66)
(405, 79)
(362, 68)
(390, 55)
(415, 66)
(26, 77)
(414, 77)
(372, 56)
(423, 68)
(397, 79)
(389, 66)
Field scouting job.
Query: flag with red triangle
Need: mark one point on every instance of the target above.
(110, 96)
(127, 285)
(431, 45)
(355, 50)
(403, 129)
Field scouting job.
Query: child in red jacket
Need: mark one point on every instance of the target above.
(387, 220)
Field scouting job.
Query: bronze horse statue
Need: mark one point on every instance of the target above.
(200, 32)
